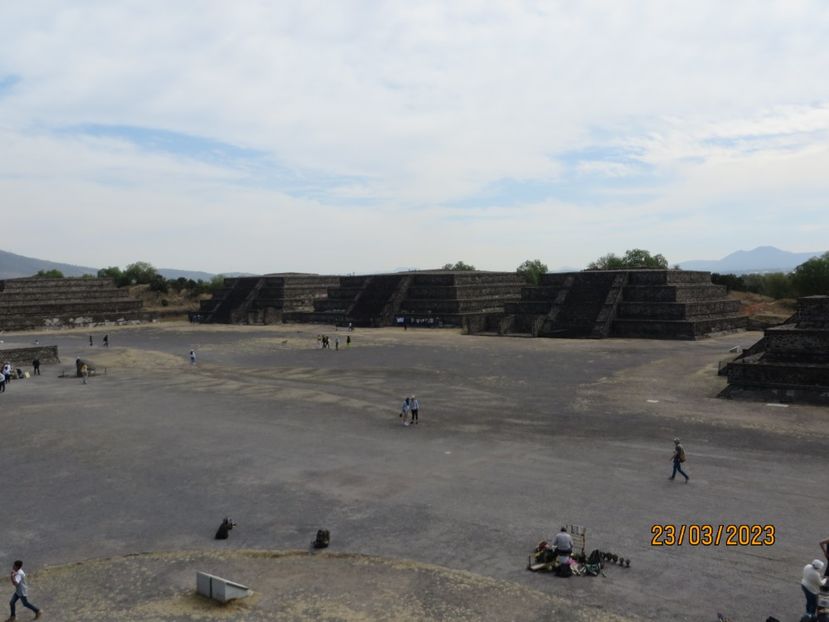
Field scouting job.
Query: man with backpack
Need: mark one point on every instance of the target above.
(678, 458)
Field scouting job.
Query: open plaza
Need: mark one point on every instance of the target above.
(113, 490)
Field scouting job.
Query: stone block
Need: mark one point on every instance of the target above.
(219, 589)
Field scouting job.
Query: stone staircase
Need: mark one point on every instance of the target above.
(790, 362)
(662, 304)
(40, 302)
(473, 300)
(675, 304)
(266, 299)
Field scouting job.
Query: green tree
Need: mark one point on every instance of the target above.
(114, 273)
(49, 274)
(217, 282)
(159, 284)
(778, 285)
(635, 258)
(459, 266)
(607, 262)
(532, 270)
(140, 273)
(812, 277)
(731, 281)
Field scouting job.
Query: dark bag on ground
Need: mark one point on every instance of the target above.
(323, 539)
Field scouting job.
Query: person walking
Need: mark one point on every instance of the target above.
(2, 383)
(90, 341)
(192, 357)
(21, 590)
(106, 341)
(36, 367)
(414, 404)
(7, 372)
(348, 341)
(678, 458)
(811, 584)
(404, 411)
(84, 372)
(337, 344)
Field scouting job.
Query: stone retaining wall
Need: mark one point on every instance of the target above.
(23, 357)
(42, 302)
(790, 363)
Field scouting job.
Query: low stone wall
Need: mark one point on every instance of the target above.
(40, 302)
(23, 357)
(790, 363)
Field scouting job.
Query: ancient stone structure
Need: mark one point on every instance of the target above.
(266, 299)
(790, 362)
(664, 304)
(23, 356)
(661, 304)
(436, 297)
(42, 302)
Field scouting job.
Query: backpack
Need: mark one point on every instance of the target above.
(323, 539)
(681, 453)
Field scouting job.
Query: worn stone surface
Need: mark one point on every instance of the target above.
(791, 362)
(65, 302)
(516, 437)
(659, 304)
(291, 586)
(23, 357)
(365, 300)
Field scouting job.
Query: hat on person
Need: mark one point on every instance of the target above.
(676, 440)
(817, 564)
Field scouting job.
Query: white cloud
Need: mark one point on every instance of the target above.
(418, 105)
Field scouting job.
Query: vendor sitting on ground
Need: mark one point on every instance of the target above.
(563, 543)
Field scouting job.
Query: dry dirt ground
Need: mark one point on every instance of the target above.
(428, 522)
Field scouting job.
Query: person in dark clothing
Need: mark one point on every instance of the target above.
(678, 458)
(36, 367)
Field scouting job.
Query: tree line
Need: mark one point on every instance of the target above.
(808, 279)
(143, 273)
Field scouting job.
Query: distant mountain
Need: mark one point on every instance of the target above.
(170, 273)
(15, 266)
(761, 259)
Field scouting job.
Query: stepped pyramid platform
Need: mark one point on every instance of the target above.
(459, 298)
(433, 297)
(659, 304)
(42, 302)
(266, 299)
(790, 362)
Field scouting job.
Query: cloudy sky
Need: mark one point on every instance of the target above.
(365, 136)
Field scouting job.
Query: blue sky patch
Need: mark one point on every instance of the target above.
(257, 168)
(7, 83)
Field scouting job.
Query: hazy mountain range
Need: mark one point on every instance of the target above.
(14, 266)
(760, 259)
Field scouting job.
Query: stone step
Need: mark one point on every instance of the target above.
(678, 310)
(779, 374)
(666, 277)
(674, 293)
(677, 329)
